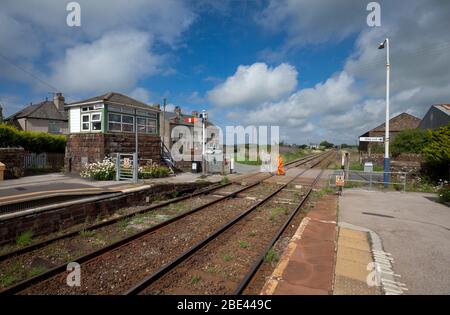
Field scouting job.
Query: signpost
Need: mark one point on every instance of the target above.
(371, 139)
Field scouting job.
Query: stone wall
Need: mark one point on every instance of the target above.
(405, 162)
(93, 147)
(13, 160)
(62, 217)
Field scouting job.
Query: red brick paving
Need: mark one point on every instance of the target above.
(309, 267)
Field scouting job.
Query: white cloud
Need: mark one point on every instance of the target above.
(34, 35)
(114, 62)
(141, 94)
(255, 84)
(332, 96)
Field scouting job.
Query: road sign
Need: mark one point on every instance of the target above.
(371, 139)
(340, 180)
(190, 119)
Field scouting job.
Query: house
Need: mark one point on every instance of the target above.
(170, 120)
(105, 125)
(437, 116)
(47, 116)
(396, 124)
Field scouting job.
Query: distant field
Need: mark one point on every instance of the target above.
(288, 154)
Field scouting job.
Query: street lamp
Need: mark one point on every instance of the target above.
(386, 137)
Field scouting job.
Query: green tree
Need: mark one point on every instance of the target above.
(437, 154)
(409, 141)
(326, 144)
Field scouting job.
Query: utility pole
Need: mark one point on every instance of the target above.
(386, 137)
(204, 117)
(136, 154)
(164, 121)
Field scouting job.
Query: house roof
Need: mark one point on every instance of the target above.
(398, 123)
(443, 107)
(114, 97)
(43, 110)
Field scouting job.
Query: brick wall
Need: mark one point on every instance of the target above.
(60, 218)
(93, 147)
(13, 160)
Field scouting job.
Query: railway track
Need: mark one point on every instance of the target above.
(208, 258)
(213, 192)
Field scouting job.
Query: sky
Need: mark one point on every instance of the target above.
(311, 67)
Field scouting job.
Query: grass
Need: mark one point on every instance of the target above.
(123, 223)
(211, 269)
(225, 180)
(139, 218)
(16, 273)
(252, 233)
(228, 257)
(8, 279)
(274, 213)
(24, 238)
(195, 279)
(36, 271)
(271, 256)
(243, 244)
(87, 233)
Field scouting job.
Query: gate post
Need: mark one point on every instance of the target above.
(117, 166)
(135, 167)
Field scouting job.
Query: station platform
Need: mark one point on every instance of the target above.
(58, 185)
(323, 258)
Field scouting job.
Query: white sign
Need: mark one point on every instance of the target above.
(371, 139)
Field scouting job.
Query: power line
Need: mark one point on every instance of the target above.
(30, 73)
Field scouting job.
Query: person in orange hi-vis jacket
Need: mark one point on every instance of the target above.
(280, 166)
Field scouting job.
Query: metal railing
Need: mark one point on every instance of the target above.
(372, 180)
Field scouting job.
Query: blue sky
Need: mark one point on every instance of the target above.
(311, 67)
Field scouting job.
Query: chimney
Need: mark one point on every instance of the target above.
(58, 100)
(195, 113)
(177, 110)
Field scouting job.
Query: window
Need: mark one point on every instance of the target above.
(127, 123)
(85, 122)
(115, 121)
(141, 123)
(118, 122)
(96, 122)
(91, 107)
(91, 122)
(151, 126)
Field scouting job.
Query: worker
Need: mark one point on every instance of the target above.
(280, 166)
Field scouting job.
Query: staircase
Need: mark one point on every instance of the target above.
(167, 159)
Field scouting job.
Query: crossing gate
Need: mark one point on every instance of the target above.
(127, 167)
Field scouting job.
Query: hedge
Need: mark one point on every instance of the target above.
(31, 141)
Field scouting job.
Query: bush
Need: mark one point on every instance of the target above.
(104, 170)
(153, 170)
(444, 194)
(437, 153)
(31, 141)
(409, 141)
